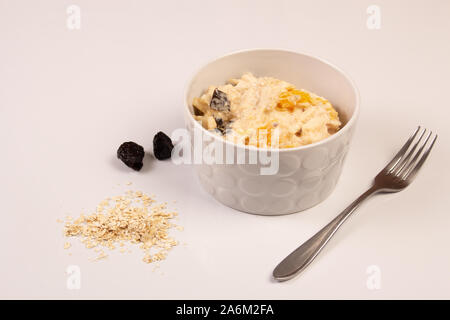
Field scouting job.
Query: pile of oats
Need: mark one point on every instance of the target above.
(132, 218)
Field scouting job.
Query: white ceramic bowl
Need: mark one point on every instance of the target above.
(307, 174)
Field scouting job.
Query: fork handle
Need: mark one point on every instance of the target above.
(301, 257)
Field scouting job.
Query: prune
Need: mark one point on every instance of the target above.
(219, 101)
(131, 154)
(223, 126)
(162, 146)
(220, 124)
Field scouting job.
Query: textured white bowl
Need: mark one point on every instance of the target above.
(307, 174)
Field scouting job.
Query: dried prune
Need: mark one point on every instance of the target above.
(223, 126)
(162, 146)
(219, 101)
(220, 124)
(131, 154)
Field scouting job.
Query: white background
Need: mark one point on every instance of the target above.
(68, 99)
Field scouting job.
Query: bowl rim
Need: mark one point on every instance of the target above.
(350, 123)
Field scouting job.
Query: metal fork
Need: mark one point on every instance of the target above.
(396, 176)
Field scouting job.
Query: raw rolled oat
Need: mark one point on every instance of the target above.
(135, 218)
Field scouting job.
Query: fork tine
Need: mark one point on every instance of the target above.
(404, 160)
(391, 165)
(410, 165)
(411, 173)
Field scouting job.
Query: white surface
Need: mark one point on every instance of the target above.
(69, 98)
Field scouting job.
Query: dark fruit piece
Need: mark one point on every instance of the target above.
(223, 126)
(219, 101)
(219, 122)
(131, 154)
(220, 125)
(162, 146)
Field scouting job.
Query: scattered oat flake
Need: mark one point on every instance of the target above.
(59, 221)
(128, 183)
(67, 245)
(132, 218)
(102, 255)
(147, 259)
